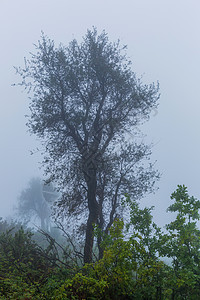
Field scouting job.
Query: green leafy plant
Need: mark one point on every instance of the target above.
(182, 245)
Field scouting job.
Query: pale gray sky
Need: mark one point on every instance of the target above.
(163, 43)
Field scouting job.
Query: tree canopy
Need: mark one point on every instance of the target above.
(85, 98)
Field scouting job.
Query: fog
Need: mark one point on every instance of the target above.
(163, 44)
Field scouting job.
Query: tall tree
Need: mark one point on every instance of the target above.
(85, 98)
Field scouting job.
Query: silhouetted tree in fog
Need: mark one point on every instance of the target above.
(35, 200)
(84, 100)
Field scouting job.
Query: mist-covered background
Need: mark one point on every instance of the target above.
(163, 44)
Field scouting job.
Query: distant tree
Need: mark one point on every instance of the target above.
(35, 201)
(85, 100)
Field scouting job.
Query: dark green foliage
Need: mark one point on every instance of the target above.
(21, 261)
(131, 267)
(25, 267)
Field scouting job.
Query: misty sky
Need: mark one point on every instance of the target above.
(163, 43)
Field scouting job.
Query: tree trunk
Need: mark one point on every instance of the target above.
(42, 223)
(100, 224)
(99, 240)
(93, 215)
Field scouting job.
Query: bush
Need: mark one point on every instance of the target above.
(22, 264)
